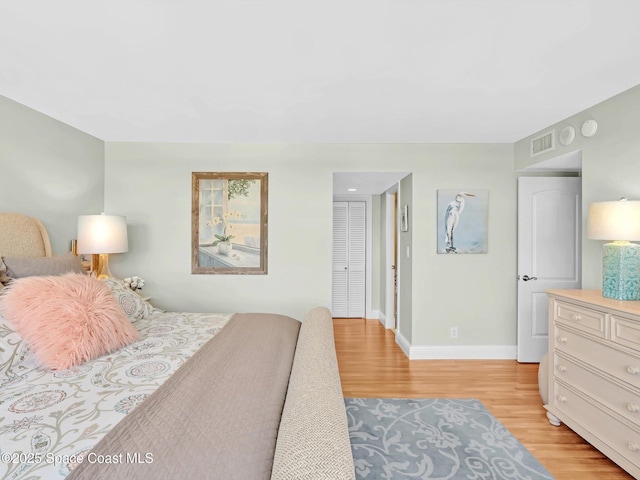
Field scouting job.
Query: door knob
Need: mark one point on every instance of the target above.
(526, 278)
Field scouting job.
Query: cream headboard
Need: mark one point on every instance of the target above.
(22, 236)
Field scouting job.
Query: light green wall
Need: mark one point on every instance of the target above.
(49, 170)
(406, 281)
(476, 293)
(55, 173)
(610, 164)
(150, 183)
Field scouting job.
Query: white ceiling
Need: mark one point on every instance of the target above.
(305, 71)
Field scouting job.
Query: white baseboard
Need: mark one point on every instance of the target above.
(390, 322)
(373, 314)
(456, 352)
(404, 345)
(461, 352)
(386, 321)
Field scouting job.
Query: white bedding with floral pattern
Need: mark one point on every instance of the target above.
(47, 418)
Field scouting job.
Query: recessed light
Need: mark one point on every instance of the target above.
(352, 189)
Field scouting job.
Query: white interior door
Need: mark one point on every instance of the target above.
(349, 259)
(549, 254)
(340, 259)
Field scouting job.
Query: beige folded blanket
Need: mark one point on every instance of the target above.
(217, 417)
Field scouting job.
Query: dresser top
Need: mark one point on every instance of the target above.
(595, 297)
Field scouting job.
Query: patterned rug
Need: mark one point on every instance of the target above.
(436, 439)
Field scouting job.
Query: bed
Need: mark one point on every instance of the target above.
(190, 395)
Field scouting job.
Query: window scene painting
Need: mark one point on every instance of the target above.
(229, 223)
(463, 221)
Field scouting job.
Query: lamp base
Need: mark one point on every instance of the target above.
(101, 266)
(621, 271)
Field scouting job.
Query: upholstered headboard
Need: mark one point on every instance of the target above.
(23, 236)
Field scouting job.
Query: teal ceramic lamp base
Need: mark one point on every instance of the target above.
(621, 271)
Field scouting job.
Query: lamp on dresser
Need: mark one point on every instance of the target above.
(102, 235)
(618, 222)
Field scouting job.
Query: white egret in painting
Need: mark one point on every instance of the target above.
(452, 217)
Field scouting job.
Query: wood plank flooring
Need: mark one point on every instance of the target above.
(372, 365)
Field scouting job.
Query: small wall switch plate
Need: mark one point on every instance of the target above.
(453, 332)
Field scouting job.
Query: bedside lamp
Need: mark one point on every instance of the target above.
(618, 222)
(102, 235)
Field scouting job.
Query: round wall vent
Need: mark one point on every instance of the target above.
(589, 128)
(567, 134)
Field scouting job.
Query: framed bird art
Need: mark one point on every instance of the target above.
(463, 221)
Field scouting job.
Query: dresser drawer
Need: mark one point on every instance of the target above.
(609, 430)
(625, 332)
(621, 365)
(623, 401)
(590, 321)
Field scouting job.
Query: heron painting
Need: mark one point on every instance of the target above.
(462, 221)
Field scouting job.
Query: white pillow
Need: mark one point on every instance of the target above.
(134, 306)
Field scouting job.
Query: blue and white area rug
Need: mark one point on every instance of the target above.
(435, 439)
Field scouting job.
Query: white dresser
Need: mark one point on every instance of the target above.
(594, 371)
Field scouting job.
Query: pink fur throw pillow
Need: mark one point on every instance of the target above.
(66, 319)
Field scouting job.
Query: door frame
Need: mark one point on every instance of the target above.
(391, 229)
(520, 357)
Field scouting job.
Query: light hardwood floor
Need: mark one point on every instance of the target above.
(372, 365)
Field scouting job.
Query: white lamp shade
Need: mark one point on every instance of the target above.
(614, 220)
(102, 234)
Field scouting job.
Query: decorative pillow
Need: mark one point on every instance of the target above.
(133, 304)
(66, 319)
(29, 267)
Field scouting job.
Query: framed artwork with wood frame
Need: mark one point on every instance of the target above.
(229, 223)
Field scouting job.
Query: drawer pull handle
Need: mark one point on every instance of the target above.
(562, 368)
(562, 398)
(633, 370)
(632, 407)
(575, 317)
(562, 339)
(633, 446)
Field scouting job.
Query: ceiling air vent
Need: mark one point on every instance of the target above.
(543, 143)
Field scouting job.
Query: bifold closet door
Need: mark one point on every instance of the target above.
(349, 261)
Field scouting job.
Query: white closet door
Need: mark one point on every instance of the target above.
(357, 260)
(349, 260)
(340, 259)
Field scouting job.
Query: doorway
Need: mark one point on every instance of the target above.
(391, 316)
(373, 188)
(549, 246)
